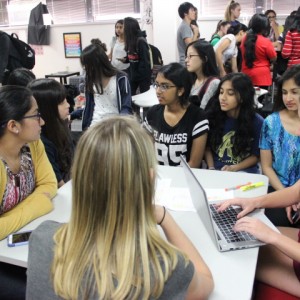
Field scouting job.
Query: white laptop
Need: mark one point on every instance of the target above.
(219, 225)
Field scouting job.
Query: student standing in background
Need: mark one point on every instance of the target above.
(138, 56)
(232, 12)
(186, 32)
(258, 52)
(117, 52)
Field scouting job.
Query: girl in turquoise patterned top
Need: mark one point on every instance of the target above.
(280, 141)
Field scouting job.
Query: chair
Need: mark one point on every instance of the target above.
(263, 291)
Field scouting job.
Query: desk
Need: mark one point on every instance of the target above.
(233, 272)
(62, 76)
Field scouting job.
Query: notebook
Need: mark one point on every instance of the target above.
(219, 225)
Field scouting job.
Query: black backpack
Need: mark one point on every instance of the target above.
(156, 60)
(26, 53)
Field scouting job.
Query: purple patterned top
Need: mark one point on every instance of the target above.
(19, 186)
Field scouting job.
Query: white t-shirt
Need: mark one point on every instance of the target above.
(231, 51)
(119, 52)
(106, 104)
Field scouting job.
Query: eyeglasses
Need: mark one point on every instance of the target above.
(271, 17)
(163, 87)
(190, 56)
(36, 116)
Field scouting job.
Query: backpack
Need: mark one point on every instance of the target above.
(156, 60)
(26, 53)
(198, 99)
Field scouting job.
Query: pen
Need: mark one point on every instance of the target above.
(252, 186)
(237, 187)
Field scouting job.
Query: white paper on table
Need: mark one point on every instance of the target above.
(179, 199)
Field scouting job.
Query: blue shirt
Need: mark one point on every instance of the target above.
(285, 149)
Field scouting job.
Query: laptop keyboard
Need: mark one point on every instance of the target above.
(225, 221)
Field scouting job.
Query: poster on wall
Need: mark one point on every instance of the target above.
(72, 44)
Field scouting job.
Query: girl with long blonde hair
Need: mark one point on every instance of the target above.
(111, 248)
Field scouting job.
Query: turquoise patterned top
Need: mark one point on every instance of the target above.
(285, 148)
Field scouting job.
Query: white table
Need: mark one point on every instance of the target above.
(233, 272)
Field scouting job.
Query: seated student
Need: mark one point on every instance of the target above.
(27, 181)
(178, 127)
(50, 96)
(20, 76)
(201, 62)
(112, 248)
(107, 90)
(234, 126)
(279, 262)
(280, 142)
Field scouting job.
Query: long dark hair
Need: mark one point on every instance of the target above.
(291, 73)
(259, 24)
(244, 134)
(207, 54)
(131, 32)
(287, 24)
(97, 65)
(180, 77)
(296, 25)
(49, 93)
(235, 29)
(15, 102)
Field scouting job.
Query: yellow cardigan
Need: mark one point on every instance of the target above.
(37, 203)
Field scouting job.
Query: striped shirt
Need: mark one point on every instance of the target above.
(291, 48)
(172, 141)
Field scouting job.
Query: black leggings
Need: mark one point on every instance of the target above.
(12, 282)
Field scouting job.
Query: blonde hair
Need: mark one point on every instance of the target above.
(231, 6)
(112, 246)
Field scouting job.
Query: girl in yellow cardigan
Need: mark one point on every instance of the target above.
(27, 181)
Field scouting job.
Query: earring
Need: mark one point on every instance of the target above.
(17, 131)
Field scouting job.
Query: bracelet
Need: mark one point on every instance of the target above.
(163, 217)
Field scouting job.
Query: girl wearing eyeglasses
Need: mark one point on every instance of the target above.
(54, 108)
(27, 180)
(178, 127)
(201, 63)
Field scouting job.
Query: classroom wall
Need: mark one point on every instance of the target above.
(162, 33)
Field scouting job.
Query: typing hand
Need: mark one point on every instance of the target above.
(257, 228)
(245, 203)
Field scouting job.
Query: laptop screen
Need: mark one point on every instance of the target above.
(199, 197)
